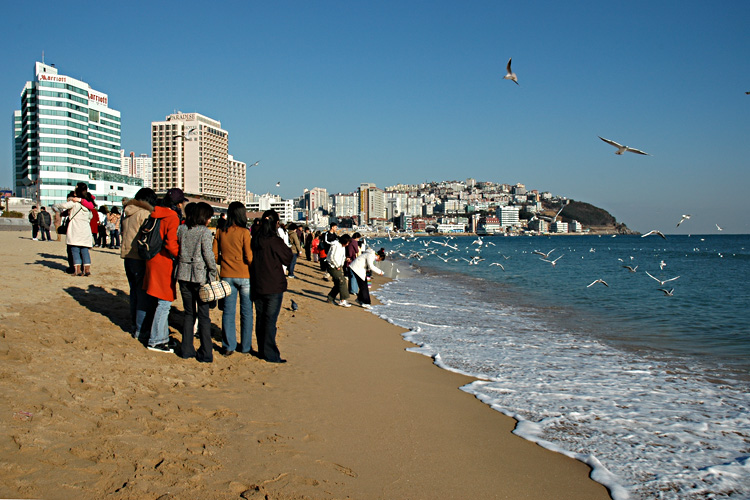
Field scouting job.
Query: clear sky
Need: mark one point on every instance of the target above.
(333, 94)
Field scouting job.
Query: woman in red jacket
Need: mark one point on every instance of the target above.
(159, 281)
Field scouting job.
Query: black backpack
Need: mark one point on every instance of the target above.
(149, 239)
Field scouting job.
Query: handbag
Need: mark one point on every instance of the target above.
(214, 290)
(63, 227)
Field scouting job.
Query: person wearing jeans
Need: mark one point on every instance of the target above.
(241, 287)
(267, 308)
(234, 256)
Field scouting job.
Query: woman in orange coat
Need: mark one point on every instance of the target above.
(159, 281)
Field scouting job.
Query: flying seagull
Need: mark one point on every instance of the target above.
(654, 231)
(719, 227)
(254, 164)
(630, 268)
(668, 293)
(598, 281)
(553, 262)
(621, 149)
(545, 255)
(683, 219)
(188, 136)
(511, 75)
(278, 184)
(497, 264)
(660, 281)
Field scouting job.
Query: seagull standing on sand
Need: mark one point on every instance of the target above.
(683, 219)
(511, 75)
(294, 305)
(598, 281)
(621, 149)
(654, 231)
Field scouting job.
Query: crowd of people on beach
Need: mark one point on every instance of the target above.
(254, 264)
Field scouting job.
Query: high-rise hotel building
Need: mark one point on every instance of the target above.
(65, 133)
(191, 151)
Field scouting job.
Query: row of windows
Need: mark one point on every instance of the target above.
(58, 140)
(100, 129)
(62, 168)
(110, 124)
(63, 95)
(68, 114)
(105, 145)
(63, 123)
(57, 85)
(115, 139)
(69, 151)
(101, 159)
(60, 104)
(111, 117)
(115, 154)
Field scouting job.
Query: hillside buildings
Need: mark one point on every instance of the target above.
(139, 166)
(65, 133)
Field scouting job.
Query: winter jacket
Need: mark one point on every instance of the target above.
(232, 252)
(294, 241)
(158, 280)
(365, 261)
(266, 274)
(336, 255)
(79, 229)
(133, 215)
(44, 219)
(196, 263)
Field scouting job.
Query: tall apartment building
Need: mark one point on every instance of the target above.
(139, 166)
(65, 133)
(236, 180)
(191, 151)
(371, 204)
(345, 205)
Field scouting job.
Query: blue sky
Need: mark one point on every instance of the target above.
(333, 94)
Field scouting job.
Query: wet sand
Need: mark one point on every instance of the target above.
(90, 413)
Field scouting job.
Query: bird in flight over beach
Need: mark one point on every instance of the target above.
(598, 281)
(545, 255)
(511, 75)
(278, 184)
(654, 231)
(668, 293)
(630, 268)
(254, 164)
(553, 262)
(719, 227)
(660, 281)
(662, 264)
(621, 149)
(683, 219)
(497, 264)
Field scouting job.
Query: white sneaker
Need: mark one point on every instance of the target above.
(344, 303)
(35, 239)
(366, 306)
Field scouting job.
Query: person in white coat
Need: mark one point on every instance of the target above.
(336, 259)
(78, 236)
(360, 266)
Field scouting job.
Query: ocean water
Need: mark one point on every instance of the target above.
(651, 390)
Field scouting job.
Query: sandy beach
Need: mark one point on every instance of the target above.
(88, 412)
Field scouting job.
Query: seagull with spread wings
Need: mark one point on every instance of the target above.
(597, 281)
(661, 282)
(621, 149)
(683, 219)
(654, 231)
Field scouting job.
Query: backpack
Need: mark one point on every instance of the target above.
(149, 239)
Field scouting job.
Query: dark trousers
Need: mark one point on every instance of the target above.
(308, 253)
(114, 238)
(267, 308)
(101, 236)
(363, 294)
(290, 269)
(34, 230)
(135, 270)
(339, 284)
(45, 232)
(192, 307)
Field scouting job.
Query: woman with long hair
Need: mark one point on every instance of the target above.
(270, 255)
(196, 267)
(159, 280)
(78, 237)
(232, 252)
(113, 226)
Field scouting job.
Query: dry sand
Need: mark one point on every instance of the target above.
(87, 412)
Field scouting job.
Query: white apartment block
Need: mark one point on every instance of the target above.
(344, 205)
(190, 151)
(371, 204)
(236, 180)
(509, 216)
(558, 227)
(65, 133)
(285, 208)
(575, 227)
(137, 166)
